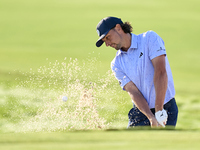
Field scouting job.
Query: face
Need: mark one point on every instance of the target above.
(113, 39)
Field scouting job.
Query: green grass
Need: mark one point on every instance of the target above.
(35, 33)
(110, 140)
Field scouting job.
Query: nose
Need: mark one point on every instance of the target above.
(107, 43)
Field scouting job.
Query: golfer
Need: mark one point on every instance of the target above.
(142, 69)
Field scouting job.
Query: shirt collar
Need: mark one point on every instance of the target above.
(134, 44)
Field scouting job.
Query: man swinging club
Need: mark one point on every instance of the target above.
(142, 69)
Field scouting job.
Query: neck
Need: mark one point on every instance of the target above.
(127, 42)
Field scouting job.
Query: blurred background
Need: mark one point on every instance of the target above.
(34, 33)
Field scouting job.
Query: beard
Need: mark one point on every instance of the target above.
(117, 46)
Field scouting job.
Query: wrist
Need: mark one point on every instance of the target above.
(150, 116)
(158, 108)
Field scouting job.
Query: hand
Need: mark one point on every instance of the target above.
(161, 117)
(154, 123)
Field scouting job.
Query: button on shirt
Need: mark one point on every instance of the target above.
(135, 65)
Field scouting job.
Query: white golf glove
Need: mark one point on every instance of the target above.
(161, 117)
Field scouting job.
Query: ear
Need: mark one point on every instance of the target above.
(118, 28)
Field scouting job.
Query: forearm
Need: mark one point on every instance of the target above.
(160, 83)
(141, 104)
(138, 99)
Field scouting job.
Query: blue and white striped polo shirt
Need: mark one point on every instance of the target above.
(135, 65)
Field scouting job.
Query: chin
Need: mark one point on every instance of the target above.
(117, 48)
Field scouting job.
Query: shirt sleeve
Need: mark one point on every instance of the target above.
(119, 74)
(156, 45)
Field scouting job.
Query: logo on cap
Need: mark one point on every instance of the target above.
(98, 32)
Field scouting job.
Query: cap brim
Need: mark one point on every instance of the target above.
(99, 41)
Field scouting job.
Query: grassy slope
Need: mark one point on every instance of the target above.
(111, 140)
